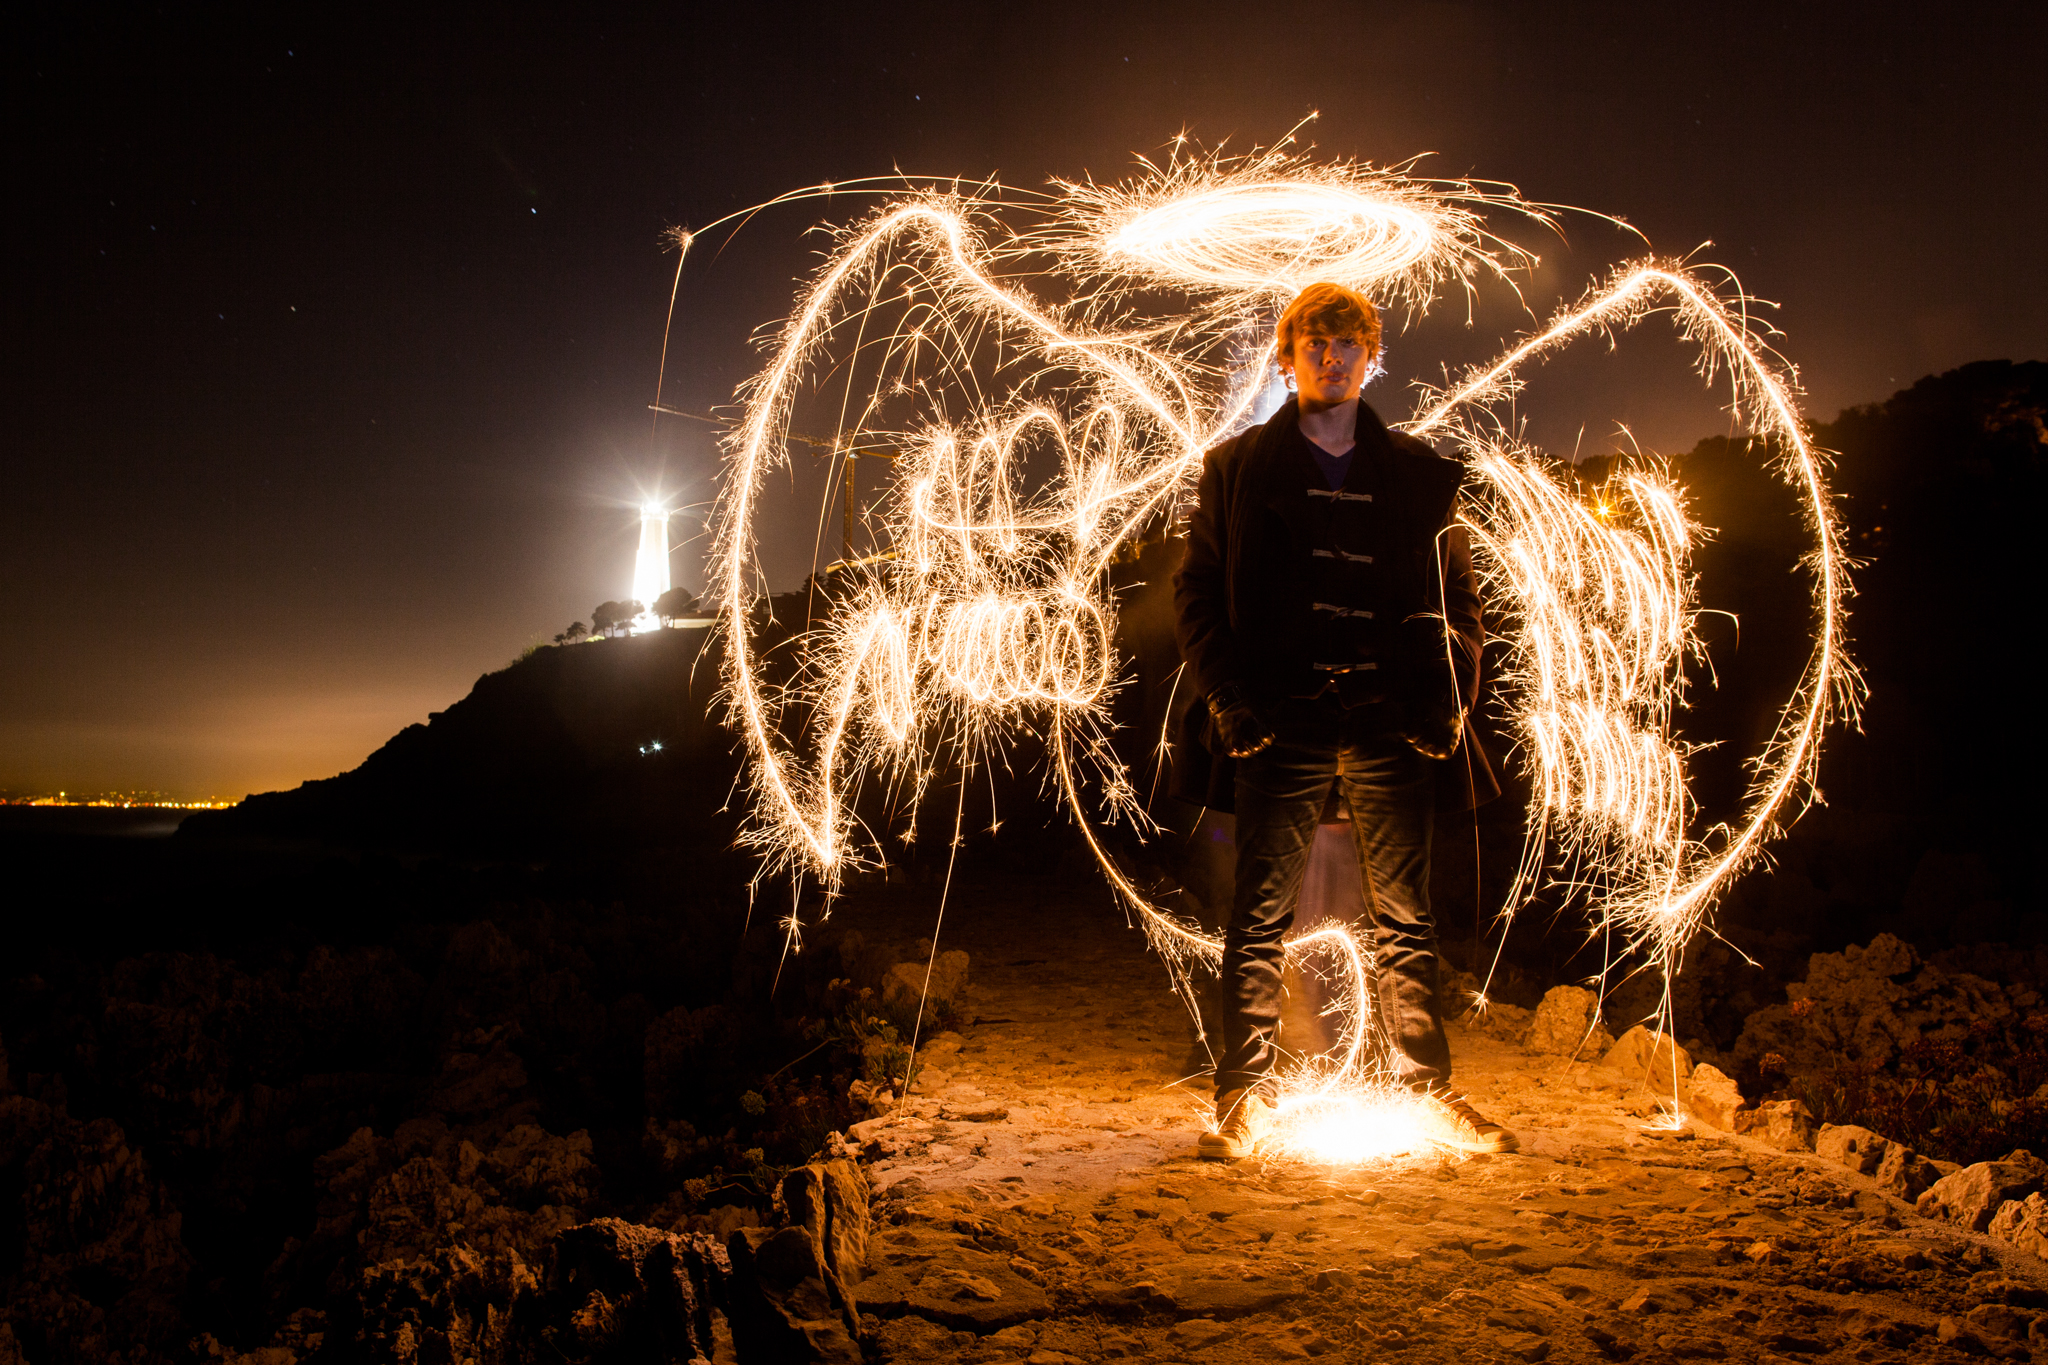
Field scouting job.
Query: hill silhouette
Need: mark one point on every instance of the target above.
(584, 747)
(1929, 816)
(1932, 807)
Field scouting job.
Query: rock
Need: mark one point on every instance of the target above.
(1691, 1348)
(1230, 1298)
(1518, 1320)
(906, 985)
(1523, 1345)
(900, 1191)
(1540, 1260)
(1848, 1145)
(1113, 1343)
(870, 1130)
(914, 1339)
(1904, 1255)
(1785, 1124)
(423, 1189)
(1713, 1098)
(482, 1079)
(1567, 1024)
(1949, 1332)
(829, 1201)
(450, 1304)
(1650, 1057)
(1993, 1287)
(619, 1291)
(1798, 1343)
(981, 1111)
(2022, 1224)
(1994, 1321)
(1607, 1341)
(1119, 1300)
(979, 1297)
(872, 1099)
(1018, 1338)
(530, 1165)
(1497, 1019)
(92, 1216)
(1973, 1194)
(669, 1145)
(1197, 1333)
(780, 1306)
(1886, 956)
(1904, 1173)
(960, 1288)
(1493, 1248)
(1858, 1271)
(1865, 1005)
(1865, 1324)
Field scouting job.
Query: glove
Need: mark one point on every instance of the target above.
(1435, 733)
(1237, 725)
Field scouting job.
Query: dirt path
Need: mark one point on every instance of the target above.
(1040, 1200)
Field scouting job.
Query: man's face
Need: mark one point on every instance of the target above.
(1329, 370)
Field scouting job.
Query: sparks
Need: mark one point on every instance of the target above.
(989, 615)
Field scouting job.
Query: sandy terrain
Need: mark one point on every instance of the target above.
(1039, 1199)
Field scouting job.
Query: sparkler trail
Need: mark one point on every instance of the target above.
(989, 616)
(1604, 620)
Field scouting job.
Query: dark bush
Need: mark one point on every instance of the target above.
(1965, 1101)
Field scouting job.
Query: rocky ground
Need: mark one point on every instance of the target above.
(1037, 1198)
(552, 1134)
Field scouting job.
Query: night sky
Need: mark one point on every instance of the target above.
(333, 337)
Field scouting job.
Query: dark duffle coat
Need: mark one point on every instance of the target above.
(1246, 556)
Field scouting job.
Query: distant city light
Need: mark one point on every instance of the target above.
(120, 801)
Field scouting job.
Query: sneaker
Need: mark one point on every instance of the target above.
(1243, 1118)
(1476, 1132)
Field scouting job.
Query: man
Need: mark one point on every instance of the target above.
(1330, 622)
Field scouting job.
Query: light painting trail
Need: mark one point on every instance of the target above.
(990, 614)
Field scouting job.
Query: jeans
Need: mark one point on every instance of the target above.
(1281, 792)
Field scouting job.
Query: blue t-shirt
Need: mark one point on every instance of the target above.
(1334, 467)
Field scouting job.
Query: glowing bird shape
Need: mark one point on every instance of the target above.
(992, 616)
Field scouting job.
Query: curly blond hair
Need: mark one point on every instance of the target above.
(1329, 310)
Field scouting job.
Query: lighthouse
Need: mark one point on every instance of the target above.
(650, 566)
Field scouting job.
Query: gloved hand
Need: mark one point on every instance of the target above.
(1435, 733)
(1237, 725)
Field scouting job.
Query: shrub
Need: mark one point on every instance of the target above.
(1968, 1100)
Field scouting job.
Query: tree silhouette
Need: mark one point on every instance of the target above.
(612, 617)
(677, 601)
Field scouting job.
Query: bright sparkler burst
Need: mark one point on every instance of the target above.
(990, 615)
